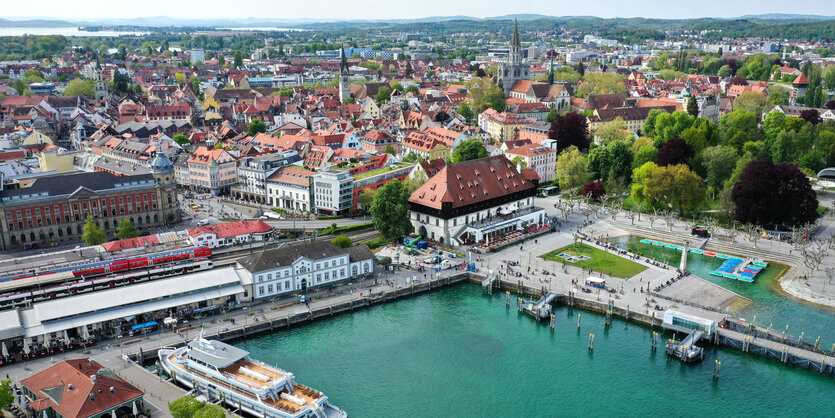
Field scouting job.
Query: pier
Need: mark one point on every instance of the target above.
(540, 309)
(792, 352)
(687, 350)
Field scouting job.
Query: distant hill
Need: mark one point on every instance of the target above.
(785, 16)
(34, 23)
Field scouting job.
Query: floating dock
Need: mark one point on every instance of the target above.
(733, 268)
(687, 350)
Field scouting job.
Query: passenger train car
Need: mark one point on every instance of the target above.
(125, 264)
(52, 285)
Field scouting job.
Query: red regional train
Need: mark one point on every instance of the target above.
(127, 263)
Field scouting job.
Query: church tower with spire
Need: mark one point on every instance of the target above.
(513, 70)
(344, 77)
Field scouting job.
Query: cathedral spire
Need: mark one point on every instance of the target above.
(515, 40)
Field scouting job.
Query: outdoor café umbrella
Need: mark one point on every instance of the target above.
(66, 338)
(135, 409)
(113, 413)
(5, 351)
(84, 333)
(26, 349)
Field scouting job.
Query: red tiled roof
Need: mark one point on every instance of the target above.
(76, 402)
(231, 229)
(124, 244)
(471, 182)
(801, 79)
(292, 175)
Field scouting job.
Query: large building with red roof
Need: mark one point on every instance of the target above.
(475, 201)
(80, 388)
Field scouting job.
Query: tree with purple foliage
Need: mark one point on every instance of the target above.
(830, 105)
(811, 115)
(674, 151)
(769, 195)
(570, 129)
(739, 81)
(594, 190)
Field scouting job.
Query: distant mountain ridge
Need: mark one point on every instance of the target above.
(165, 21)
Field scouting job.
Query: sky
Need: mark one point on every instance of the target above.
(402, 9)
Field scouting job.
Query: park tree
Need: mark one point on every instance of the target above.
(194, 83)
(181, 139)
(286, 91)
(180, 78)
(121, 83)
(770, 195)
(342, 241)
(239, 59)
(519, 162)
(210, 411)
(594, 190)
(185, 407)
(470, 149)
(6, 397)
(80, 87)
(725, 71)
(383, 94)
(813, 161)
(750, 101)
(674, 151)
(126, 229)
(466, 111)
(810, 115)
(390, 150)
(390, 210)
(93, 234)
(611, 164)
(670, 125)
(614, 131)
(693, 107)
(601, 83)
(484, 94)
(256, 126)
(571, 169)
(644, 155)
(365, 198)
(738, 127)
(570, 130)
(719, 163)
(673, 186)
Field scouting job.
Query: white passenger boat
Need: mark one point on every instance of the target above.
(227, 374)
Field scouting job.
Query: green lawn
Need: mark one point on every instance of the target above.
(601, 261)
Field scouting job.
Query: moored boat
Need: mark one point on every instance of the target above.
(227, 374)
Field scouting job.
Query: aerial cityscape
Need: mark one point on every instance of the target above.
(435, 210)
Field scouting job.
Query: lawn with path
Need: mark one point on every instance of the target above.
(599, 261)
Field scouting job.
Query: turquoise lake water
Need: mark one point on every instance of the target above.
(768, 306)
(459, 352)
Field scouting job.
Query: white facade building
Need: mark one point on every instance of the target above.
(296, 267)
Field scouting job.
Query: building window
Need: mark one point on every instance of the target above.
(260, 290)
